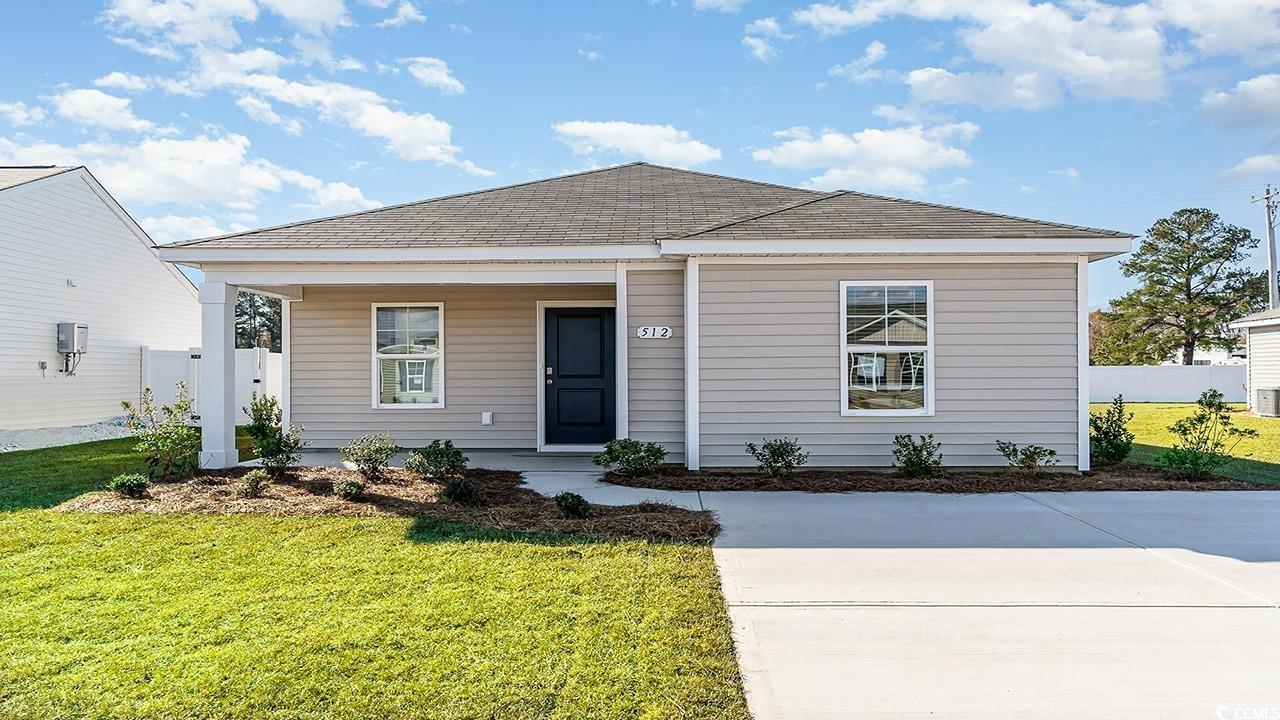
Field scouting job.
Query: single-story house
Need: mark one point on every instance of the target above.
(693, 310)
(71, 256)
(1262, 342)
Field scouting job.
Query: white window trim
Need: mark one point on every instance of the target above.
(929, 351)
(373, 354)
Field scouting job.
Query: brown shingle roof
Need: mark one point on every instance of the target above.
(848, 215)
(640, 203)
(14, 175)
(636, 203)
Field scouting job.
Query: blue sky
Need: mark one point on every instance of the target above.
(204, 116)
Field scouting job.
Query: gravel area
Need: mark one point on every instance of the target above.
(50, 437)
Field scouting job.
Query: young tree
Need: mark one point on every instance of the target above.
(258, 320)
(1191, 285)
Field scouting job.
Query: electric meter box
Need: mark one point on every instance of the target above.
(73, 337)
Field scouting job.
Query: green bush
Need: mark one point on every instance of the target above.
(1027, 458)
(461, 489)
(440, 459)
(277, 448)
(1205, 440)
(167, 436)
(572, 505)
(1110, 440)
(370, 453)
(778, 456)
(130, 485)
(349, 489)
(631, 457)
(922, 459)
(253, 483)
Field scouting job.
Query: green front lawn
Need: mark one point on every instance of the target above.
(1258, 459)
(176, 616)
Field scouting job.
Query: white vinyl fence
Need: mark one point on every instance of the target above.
(1166, 383)
(257, 370)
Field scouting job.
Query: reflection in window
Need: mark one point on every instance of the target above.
(408, 355)
(886, 346)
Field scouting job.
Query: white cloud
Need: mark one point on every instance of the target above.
(171, 228)
(86, 106)
(261, 110)
(729, 6)
(160, 51)
(1028, 90)
(434, 73)
(318, 50)
(1252, 168)
(213, 22)
(874, 159)
(860, 70)
(1255, 101)
(405, 13)
(759, 48)
(590, 55)
(1070, 174)
(662, 144)
(766, 27)
(337, 197)
(122, 81)
(20, 113)
(1227, 27)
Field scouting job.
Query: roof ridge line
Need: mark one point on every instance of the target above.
(724, 177)
(988, 213)
(785, 207)
(197, 241)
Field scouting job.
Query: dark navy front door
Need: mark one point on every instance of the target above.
(579, 376)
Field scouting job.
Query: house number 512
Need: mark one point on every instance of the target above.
(653, 333)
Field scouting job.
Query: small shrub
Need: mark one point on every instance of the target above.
(167, 435)
(1027, 458)
(349, 489)
(130, 485)
(278, 449)
(370, 453)
(461, 489)
(572, 505)
(253, 483)
(631, 457)
(438, 460)
(1205, 440)
(918, 459)
(778, 456)
(1110, 440)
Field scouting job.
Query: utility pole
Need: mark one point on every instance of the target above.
(1273, 290)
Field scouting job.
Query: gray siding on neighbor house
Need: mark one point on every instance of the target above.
(656, 367)
(1264, 360)
(1005, 361)
(490, 363)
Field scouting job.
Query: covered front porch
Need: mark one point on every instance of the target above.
(534, 358)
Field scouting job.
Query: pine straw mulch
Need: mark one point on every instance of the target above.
(505, 504)
(1119, 477)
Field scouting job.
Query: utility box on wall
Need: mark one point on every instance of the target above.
(73, 337)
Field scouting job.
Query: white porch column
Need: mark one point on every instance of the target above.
(622, 340)
(217, 375)
(1082, 361)
(692, 369)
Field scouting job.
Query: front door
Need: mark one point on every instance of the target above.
(579, 376)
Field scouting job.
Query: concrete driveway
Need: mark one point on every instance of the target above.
(1038, 605)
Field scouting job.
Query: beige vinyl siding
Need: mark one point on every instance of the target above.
(65, 256)
(490, 363)
(1264, 360)
(1005, 361)
(656, 367)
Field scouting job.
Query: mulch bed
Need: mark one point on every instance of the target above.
(1119, 477)
(505, 504)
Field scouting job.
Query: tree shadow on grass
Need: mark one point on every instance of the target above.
(1246, 469)
(434, 530)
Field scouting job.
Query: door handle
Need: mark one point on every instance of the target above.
(548, 381)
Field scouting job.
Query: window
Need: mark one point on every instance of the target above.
(408, 356)
(886, 349)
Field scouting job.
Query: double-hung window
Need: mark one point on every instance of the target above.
(887, 348)
(408, 355)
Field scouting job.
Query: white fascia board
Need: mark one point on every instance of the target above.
(1241, 325)
(1095, 248)
(275, 275)
(195, 254)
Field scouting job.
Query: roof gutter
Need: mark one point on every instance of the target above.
(197, 254)
(1095, 248)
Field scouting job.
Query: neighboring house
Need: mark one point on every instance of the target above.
(1262, 337)
(1214, 356)
(693, 310)
(70, 254)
